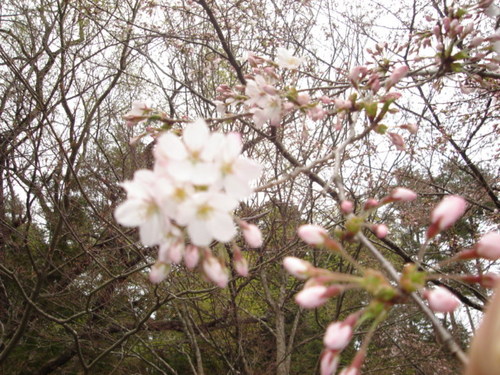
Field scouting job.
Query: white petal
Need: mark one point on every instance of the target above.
(152, 231)
(223, 202)
(199, 233)
(222, 227)
(170, 147)
(131, 213)
(196, 135)
(247, 169)
(181, 170)
(213, 147)
(236, 188)
(204, 173)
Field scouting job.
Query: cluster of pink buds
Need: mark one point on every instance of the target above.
(196, 183)
(337, 337)
(355, 223)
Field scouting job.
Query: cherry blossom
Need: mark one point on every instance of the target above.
(286, 59)
(193, 189)
(142, 208)
(137, 114)
(235, 170)
(207, 217)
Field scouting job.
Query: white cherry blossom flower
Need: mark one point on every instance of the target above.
(207, 217)
(141, 209)
(286, 59)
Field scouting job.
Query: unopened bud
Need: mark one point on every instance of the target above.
(446, 213)
(297, 267)
(312, 234)
(159, 272)
(441, 300)
(215, 271)
(347, 207)
(191, 256)
(403, 194)
(488, 246)
(252, 234)
(337, 336)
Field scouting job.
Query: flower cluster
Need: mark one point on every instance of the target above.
(195, 185)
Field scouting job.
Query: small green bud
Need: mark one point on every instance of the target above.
(381, 129)
(371, 110)
(354, 224)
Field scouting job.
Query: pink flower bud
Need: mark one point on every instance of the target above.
(476, 41)
(446, 213)
(239, 261)
(316, 113)
(486, 280)
(312, 234)
(337, 336)
(436, 30)
(191, 256)
(380, 230)
(412, 128)
(215, 271)
(325, 100)
(223, 88)
(312, 297)
(241, 266)
(297, 267)
(446, 23)
(268, 89)
(397, 141)
(488, 246)
(303, 98)
(397, 75)
(391, 96)
(252, 235)
(254, 60)
(159, 272)
(137, 114)
(329, 362)
(171, 252)
(403, 194)
(371, 203)
(357, 73)
(347, 207)
(342, 104)
(441, 300)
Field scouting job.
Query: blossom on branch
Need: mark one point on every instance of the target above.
(193, 189)
(286, 59)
